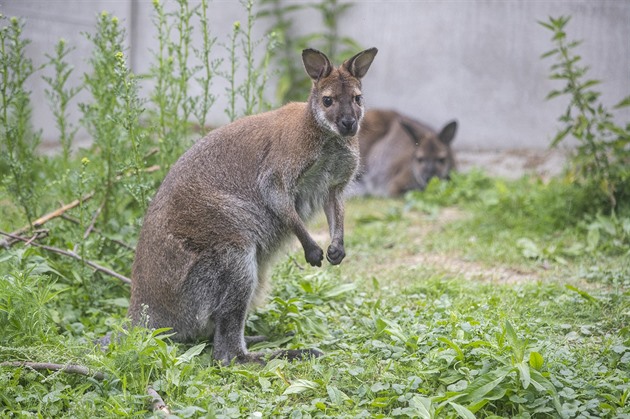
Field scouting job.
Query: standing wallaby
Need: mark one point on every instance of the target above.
(399, 154)
(230, 202)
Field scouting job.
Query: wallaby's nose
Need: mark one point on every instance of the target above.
(348, 126)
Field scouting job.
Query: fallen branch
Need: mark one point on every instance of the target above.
(96, 230)
(45, 218)
(6, 243)
(71, 254)
(129, 173)
(157, 403)
(38, 234)
(91, 226)
(68, 368)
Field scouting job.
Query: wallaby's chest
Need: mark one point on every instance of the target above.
(333, 167)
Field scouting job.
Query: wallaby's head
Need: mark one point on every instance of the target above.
(335, 99)
(433, 156)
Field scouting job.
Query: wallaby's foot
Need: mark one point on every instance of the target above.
(260, 357)
(252, 340)
(296, 354)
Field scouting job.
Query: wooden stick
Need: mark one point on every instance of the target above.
(91, 226)
(60, 211)
(68, 368)
(73, 255)
(96, 230)
(157, 403)
(45, 218)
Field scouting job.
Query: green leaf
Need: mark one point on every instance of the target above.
(335, 395)
(462, 411)
(554, 93)
(582, 294)
(543, 384)
(536, 360)
(625, 102)
(524, 375)
(422, 406)
(592, 239)
(300, 386)
(483, 385)
(190, 354)
(510, 333)
(549, 53)
(529, 249)
(546, 25)
(454, 346)
(381, 402)
(589, 83)
(341, 289)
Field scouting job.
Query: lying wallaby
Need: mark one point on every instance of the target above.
(231, 201)
(399, 154)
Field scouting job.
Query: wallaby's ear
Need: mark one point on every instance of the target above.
(316, 63)
(360, 63)
(448, 132)
(408, 127)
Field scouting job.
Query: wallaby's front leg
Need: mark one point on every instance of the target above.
(282, 205)
(334, 209)
(312, 252)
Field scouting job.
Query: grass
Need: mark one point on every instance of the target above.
(406, 330)
(479, 296)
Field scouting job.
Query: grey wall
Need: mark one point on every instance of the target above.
(474, 60)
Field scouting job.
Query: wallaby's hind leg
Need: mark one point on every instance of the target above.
(229, 339)
(229, 279)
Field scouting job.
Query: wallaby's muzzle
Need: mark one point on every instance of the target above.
(348, 126)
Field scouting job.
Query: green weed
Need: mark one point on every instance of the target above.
(293, 83)
(18, 162)
(60, 95)
(404, 334)
(603, 152)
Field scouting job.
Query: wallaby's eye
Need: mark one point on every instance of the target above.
(358, 99)
(327, 101)
(442, 160)
(420, 159)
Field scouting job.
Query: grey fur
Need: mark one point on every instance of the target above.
(234, 198)
(399, 154)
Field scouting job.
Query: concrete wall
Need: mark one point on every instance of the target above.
(474, 60)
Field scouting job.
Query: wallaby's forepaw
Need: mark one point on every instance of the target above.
(314, 256)
(335, 254)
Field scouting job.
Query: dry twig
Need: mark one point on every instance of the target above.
(68, 368)
(91, 226)
(45, 218)
(71, 254)
(96, 230)
(157, 403)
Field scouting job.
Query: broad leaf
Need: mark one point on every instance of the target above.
(190, 354)
(300, 386)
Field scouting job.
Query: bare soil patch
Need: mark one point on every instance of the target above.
(514, 163)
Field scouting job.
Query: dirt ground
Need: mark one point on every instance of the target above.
(512, 164)
(509, 164)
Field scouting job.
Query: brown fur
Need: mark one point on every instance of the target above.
(399, 154)
(230, 202)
